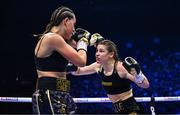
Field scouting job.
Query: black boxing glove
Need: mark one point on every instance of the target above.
(71, 68)
(130, 62)
(95, 39)
(81, 36)
(80, 33)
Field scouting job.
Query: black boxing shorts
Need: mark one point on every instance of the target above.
(52, 97)
(128, 106)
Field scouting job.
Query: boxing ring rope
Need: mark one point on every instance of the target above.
(92, 100)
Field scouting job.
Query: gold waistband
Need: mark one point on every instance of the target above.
(62, 85)
(53, 84)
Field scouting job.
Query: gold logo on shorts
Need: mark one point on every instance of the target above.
(63, 85)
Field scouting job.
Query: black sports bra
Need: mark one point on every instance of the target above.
(113, 84)
(55, 62)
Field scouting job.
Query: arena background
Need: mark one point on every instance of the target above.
(146, 30)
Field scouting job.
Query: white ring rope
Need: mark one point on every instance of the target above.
(92, 100)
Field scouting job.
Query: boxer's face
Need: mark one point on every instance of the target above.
(102, 54)
(70, 27)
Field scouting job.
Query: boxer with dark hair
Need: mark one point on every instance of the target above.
(52, 54)
(116, 76)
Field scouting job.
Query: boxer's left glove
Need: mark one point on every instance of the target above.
(95, 39)
(80, 33)
(81, 36)
(129, 63)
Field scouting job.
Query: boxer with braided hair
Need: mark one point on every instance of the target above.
(116, 77)
(52, 54)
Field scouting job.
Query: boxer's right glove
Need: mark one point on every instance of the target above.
(70, 68)
(95, 39)
(81, 36)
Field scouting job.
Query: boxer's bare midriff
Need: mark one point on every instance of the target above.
(120, 97)
(61, 75)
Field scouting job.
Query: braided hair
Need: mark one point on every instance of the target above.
(57, 16)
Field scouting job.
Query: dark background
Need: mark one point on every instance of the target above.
(145, 29)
